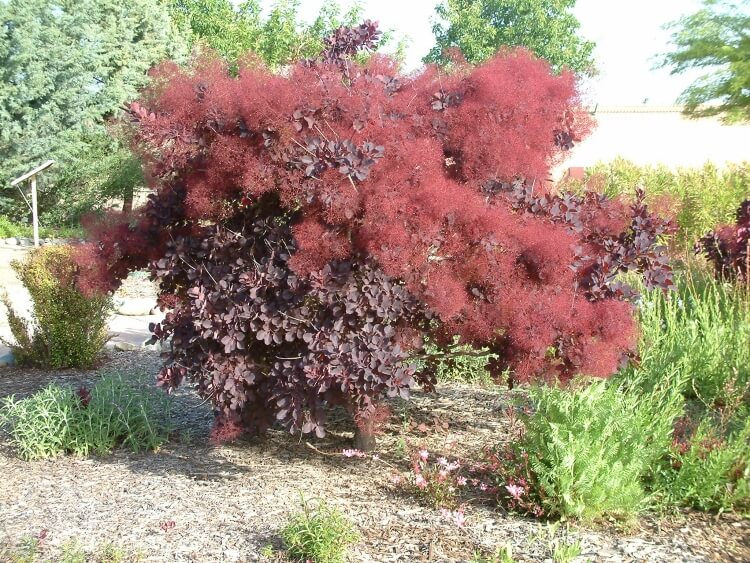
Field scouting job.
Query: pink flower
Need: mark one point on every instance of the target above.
(397, 479)
(423, 455)
(452, 466)
(353, 453)
(442, 475)
(515, 491)
(461, 481)
(420, 482)
(375, 457)
(442, 462)
(458, 516)
(482, 486)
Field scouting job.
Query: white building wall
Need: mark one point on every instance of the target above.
(653, 135)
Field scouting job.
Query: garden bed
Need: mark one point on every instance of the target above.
(191, 501)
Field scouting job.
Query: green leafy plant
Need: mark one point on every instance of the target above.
(68, 328)
(565, 552)
(72, 552)
(700, 198)
(319, 533)
(503, 554)
(698, 334)
(27, 552)
(116, 411)
(459, 363)
(709, 470)
(589, 447)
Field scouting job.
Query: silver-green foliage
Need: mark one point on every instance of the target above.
(590, 445)
(319, 533)
(701, 334)
(56, 420)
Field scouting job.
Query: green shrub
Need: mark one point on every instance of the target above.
(58, 420)
(702, 198)
(9, 229)
(700, 333)
(590, 446)
(68, 328)
(709, 470)
(320, 534)
(460, 363)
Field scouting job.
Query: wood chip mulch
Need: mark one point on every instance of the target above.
(192, 501)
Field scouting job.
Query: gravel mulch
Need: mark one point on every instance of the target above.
(194, 502)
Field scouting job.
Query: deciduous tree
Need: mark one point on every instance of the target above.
(480, 27)
(716, 39)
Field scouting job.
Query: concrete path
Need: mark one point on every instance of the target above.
(132, 330)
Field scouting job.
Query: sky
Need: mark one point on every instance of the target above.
(628, 36)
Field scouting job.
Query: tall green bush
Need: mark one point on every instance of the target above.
(701, 198)
(67, 328)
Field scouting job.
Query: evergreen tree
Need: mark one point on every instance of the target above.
(66, 66)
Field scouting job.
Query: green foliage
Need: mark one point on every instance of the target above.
(27, 552)
(117, 411)
(32, 550)
(480, 27)
(503, 554)
(67, 328)
(698, 336)
(591, 445)
(711, 471)
(279, 38)
(715, 39)
(65, 68)
(701, 198)
(564, 552)
(104, 171)
(320, 534)
(460, 363)
(9, 229)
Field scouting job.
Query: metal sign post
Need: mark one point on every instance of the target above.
(34, 213)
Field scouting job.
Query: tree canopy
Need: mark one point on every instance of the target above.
(66, 66)
(480, 27)
(278, 39)
(717, 39)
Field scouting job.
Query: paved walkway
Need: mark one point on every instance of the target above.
(126, 329)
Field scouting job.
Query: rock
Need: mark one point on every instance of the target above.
(136, 307)
(7, 360)
(12, 241)
(126, 346)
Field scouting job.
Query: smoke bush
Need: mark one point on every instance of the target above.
(309, 229)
